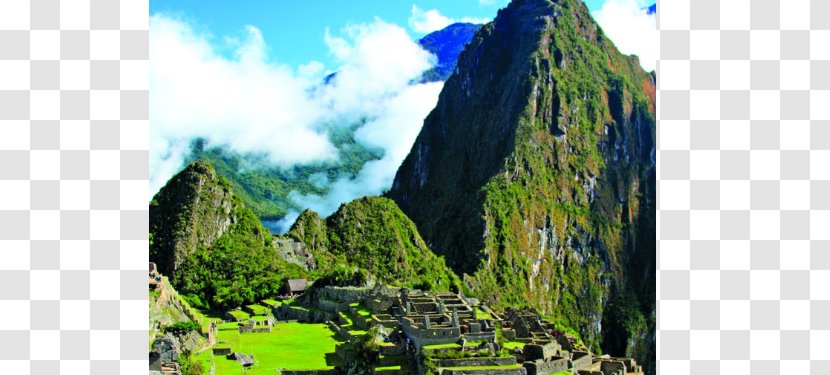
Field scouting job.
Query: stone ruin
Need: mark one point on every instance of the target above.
(294, 252)
(438, 318)
(548, 350)
(164, 356)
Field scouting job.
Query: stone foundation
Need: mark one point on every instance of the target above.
(466, 362)
(552, 366)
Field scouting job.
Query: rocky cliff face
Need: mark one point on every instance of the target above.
(534, 174)
(193, 209)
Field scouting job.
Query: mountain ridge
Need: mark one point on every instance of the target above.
(534, 174)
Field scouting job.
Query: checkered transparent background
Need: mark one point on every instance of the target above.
(73, 186)
(744, 187)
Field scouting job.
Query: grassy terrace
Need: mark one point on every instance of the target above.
(505, 367)
(240, 315)
(258, 309)
(293, 346)
(481, 314)
(514, 344)
(231, 325)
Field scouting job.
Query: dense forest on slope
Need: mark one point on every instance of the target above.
(218, 254)
(534, 175)
(212, 247)
(372, 234)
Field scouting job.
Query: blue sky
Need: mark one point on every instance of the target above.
(294, 30)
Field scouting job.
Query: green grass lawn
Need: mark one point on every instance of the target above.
(362, 311)
(514, 344)
(260, 318)
(271, 302)
(292, 346)
(239, 315)
(232, 325)
(480, 314)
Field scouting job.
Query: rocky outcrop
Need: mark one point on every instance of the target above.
(193, 209)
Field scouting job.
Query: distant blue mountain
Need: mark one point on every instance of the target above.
(652, 9)
(447, 44)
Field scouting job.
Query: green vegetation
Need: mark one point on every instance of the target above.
(291, 346)
(513, 344)
(258, 309)
(387, 368)
(265, 188)
(221, 253)
(226, 326)
(374, 237)
(481, 314)
(239, 315)
(191, 365)
(181, 328)
(538, 182)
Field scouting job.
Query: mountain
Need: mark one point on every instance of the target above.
(446, 44)
(212, 247)
(374, 235)
(216, 252)
(534, 175)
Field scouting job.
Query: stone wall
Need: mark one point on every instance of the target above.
(612, 368)
(533, 352)
(581, 360)
(552, 366)
(481, 336)
(221, 351)
(344, 294)
(286, 312)
(465, 362)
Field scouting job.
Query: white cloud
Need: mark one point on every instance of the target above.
(427, 21)
(631, 28)
(249, 104)
(394, 130)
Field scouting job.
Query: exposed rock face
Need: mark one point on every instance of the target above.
(534, 174)
(193, 209)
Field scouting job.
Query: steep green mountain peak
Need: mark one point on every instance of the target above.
(534, 174)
